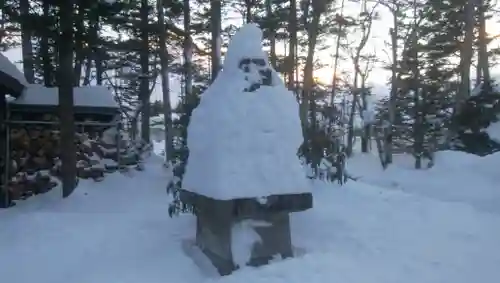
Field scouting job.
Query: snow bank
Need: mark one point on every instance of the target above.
(455, 159)
(118, 231)
(86, 96)
(456, 176)
(243, 143)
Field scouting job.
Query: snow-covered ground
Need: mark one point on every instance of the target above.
(439, 225)
(457, 177)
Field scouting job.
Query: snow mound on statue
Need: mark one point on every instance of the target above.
(244, 135)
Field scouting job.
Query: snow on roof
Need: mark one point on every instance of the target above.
(477, 89)
(243, 143)
(7, 67)
(86, 96)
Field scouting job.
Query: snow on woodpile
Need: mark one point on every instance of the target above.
(86, 96)
(244, 135)
(7, 67)
(36, 164)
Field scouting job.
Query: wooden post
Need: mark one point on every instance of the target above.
(4, 159)
(118, 144)
(66, 103)
(7, 159)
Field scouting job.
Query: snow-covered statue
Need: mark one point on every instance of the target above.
(243, 140)
(244, 135)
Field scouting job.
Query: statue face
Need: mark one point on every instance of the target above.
(257, 73)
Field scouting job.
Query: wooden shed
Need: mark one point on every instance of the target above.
(12, 84)
(32, 139)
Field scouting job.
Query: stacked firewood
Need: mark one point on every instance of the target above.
(36, 165)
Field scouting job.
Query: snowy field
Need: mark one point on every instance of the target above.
(400, 226)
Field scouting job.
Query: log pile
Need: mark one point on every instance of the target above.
(35, 166)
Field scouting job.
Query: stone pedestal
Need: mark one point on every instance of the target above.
(215, 220)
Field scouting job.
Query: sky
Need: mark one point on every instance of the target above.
(378, 77)
(377, 45)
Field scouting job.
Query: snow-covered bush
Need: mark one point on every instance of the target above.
(476, 121)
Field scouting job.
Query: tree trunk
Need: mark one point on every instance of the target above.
(389, 128)
(144, 60)
(483, 64)
(88, 71)
(4, 154)
(337, 55)
(418, 130)
(97, 51)
(187, 52)
(307, 106)
(92, 42)
(96, 44)
(48, 68)
(418, 124)
(479, 74)
(167, 108)
(65, 82)
(79, 49)
(352, 112)
(248, 10)
(307, 96)
(215, 24)
(27, 47)
(292, 29)
(466, 56)
(367, 122)
(366, 137)
(366, 26)
(272, 35)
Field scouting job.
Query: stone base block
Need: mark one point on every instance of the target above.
(214, 237)
(269, 218)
